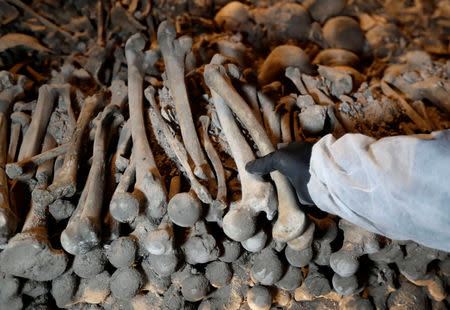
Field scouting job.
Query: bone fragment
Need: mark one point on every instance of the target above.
(148, 179)
(291, 220)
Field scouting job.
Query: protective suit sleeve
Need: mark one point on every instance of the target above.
(398, 186)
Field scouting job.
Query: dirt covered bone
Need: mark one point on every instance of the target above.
(259, 298)
(29, 254)
(336, 57)
(65, 179)
(255, 243)
(174, 52)
(175, 147)
(19, 124)
(83, 230)
(200, 246)
(240, 222)
(267, 268)
(357, 242)
(279, 59)
(17, 169)
(291, 220)
(148, 179)
(124, 206)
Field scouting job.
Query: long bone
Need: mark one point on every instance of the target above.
(148, 179)
(240, 222)
(65, 179)
(29, 254)
(174, 52)
(83, 233)
(18, 169)
(124, 206)
(217, 208)
(291, 220)
(175, 146)
(19, 123)
(34, 136)
(8, 219)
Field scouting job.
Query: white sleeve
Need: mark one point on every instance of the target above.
(398, 186)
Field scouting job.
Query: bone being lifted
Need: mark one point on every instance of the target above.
(148, 179)
(291, 220)
(240, 222)
(83, 231)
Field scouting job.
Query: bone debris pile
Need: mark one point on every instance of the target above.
(125, 128)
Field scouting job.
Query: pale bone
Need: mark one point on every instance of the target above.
(294, 75)
(291, 220)
(83, 234)
(119, 160)
(18, 169)
(174, 52)
(410, 112)
(43, 20)
(240, 222)
(65, 178)
(251, 95)
(44, 171)
(148, 179)
(124, 206)
(288, 103)
(220, 203)
(272, 122)
(29, 254)
(34, 136)
(176, 146)
(19, 124)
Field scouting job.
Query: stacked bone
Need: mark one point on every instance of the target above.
(126, 180)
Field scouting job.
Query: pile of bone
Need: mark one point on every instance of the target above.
(135, 196)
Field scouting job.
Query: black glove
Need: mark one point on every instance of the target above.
(293, 162)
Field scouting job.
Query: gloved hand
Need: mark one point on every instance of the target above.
(293, 162)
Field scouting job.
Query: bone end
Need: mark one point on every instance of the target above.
(80, 237)
(289, 226)
(124, 207)
(63, 190)
(239, 225)
(33, 259)
(344, 263)
(13, 170)
(8, 224)
(184, 209)
(42, 197)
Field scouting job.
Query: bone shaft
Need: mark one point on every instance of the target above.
(216, 162)
(127, 178)
(184, 114)
(124, 139)
(4, 193)
(145, 162)
(271, 119)
(44, 156)
(240, 149)
(13, 142)
(286, 133)
(3, 146)
(175, 186)
(45, 169)
(36, 131)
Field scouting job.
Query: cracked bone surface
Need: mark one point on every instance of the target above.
(83, 230)
(240, 222)
(174, 52)
(291, 220)
(29, 254)
(148, 178)
(65, 178)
